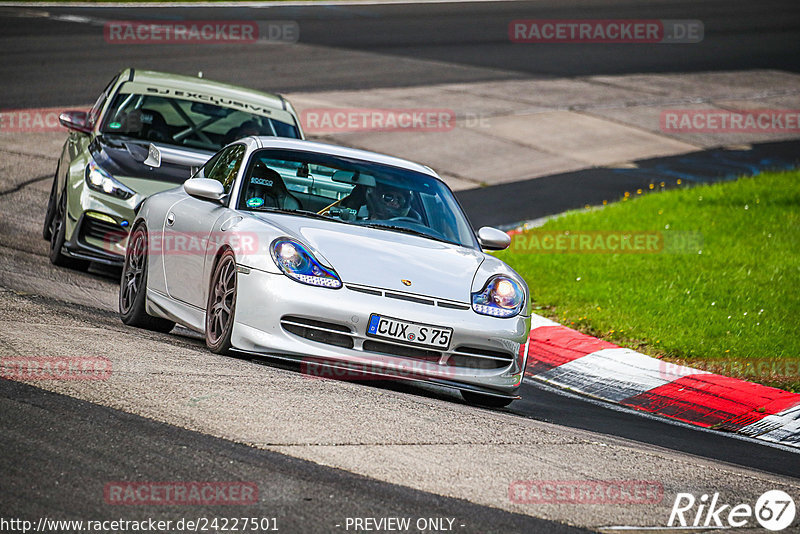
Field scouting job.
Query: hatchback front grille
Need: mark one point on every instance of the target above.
(102, 230)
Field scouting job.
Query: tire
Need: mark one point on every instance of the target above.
(488, 401)
(221, 305)
(133, 286)
(51, 208)
(58, 232)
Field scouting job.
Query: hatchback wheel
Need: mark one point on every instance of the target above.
(58, 232)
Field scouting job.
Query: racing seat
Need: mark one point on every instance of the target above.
(154, 127)
(266, 184)
(247, 128)
(231, 135)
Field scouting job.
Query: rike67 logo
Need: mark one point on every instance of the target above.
(774, 510)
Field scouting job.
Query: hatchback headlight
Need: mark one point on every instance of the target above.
(299, 264)
(100, 180)
(500, 297)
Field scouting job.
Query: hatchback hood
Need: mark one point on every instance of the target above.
(124, 158)
(384, 258)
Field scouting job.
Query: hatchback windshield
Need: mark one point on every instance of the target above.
(354, 192)
(187, 123)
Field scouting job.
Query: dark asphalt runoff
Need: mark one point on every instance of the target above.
(557, 193)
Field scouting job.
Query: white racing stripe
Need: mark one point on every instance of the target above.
(615, 374)
(783, 427)
(539, 321)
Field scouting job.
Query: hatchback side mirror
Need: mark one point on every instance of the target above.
(75, 120)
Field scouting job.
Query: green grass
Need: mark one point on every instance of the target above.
(726, 305)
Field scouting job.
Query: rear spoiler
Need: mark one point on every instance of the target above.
(179, 156)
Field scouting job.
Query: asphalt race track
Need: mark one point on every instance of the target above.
(99, 444)
(383, 46)
(323, 451)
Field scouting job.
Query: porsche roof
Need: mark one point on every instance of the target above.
(324, 148)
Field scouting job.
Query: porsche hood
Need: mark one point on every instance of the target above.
(384, 258)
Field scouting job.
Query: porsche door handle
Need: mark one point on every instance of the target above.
(170, 219)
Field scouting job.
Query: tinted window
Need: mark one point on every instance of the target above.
(354, 192)
(187, 123)
(224, 166)
(94, 113)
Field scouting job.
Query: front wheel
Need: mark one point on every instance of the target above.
(133, 286)
(58, 235)
(488, 401)
(221, 306)
(51, 209)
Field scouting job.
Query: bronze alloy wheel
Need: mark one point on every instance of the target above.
(221, 307)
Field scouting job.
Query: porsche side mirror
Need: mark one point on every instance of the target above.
(493, 239)
(75, 120)
(204, 188)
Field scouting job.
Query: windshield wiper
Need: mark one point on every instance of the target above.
(405, 230)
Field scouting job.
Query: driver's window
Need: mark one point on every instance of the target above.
(224, 166)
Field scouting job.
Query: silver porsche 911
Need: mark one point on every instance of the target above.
(337, 258)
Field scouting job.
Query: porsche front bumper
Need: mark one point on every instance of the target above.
(278, 316)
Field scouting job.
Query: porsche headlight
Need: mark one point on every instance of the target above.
(500, 297)
(100, 180)
(299, 264)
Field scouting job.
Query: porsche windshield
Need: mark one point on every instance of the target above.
(354, 192)
(187, 123)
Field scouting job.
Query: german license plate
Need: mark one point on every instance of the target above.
(424, 335)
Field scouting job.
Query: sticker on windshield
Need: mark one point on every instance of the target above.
(115, 125)
(255, 202)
